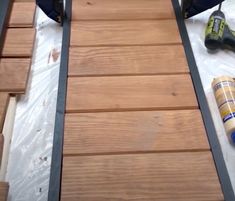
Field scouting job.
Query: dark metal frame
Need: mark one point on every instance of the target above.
(204, 107)
(57, 152)
(5, 11)
(59, 7)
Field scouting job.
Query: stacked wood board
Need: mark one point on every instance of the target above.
(3, 191)
(133, 128)
(15, 62)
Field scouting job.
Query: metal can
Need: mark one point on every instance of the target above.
(224, 91)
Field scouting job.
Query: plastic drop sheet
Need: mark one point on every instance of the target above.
(30, 155)
(31, 148)
(213, 65)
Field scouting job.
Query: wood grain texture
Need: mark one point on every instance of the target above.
(14, 75)
(147, 32)
(130, 93)
(135, 60)
(22, 14)
(19, 42)
(7, 131)
(4, 99)
(94, 133)
(141, 177)
(24, 0)
(3, 191)
(122, 9)
(1, 147)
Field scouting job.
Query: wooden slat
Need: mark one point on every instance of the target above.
(141, 177)
(3, 191)
(130, 93)
(24, 0)
(22, 14)
(1, 147)
(19, 42)
(91, 61)
(122, 9)
(4, 98)
(95, 133)
(93, 33)
(14, 75)
(7, 131)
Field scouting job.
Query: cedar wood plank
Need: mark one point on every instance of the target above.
(1, 147)
(14, 74)
(24, 0)
(4, 98)
(3, 191)
(19, 42)
(143, 131)
(121, 9)
(22, 14)
(146, 32)
(189, 176)
(135, 60)
(130, 93)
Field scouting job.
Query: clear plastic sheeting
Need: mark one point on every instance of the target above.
(30, 154)
(31, 148)
(213, 65)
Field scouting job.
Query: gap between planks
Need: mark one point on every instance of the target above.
(72, 111)
(135, 152)
(129, 75)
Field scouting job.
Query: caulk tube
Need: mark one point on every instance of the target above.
(224, 91)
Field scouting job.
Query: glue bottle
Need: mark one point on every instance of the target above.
(224, 90)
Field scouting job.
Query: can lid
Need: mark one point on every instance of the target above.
(233, 137)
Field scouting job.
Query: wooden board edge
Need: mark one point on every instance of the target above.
(7, 132)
